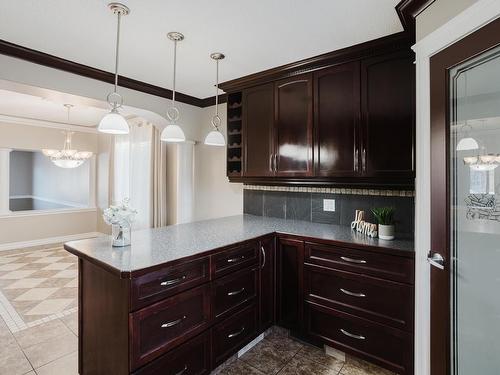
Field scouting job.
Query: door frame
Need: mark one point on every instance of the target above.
(473, 18)
(440, 64)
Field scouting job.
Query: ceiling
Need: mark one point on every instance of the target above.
(39, 108)
(254, 35)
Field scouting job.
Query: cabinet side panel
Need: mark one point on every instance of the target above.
(103, 321)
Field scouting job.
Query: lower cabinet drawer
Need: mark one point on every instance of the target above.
(388, 347)
(233, 333)
(191, 358)
(383, 301)
(233, 290)
(158, 328)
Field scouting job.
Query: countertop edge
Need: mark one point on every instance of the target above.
(129, 274)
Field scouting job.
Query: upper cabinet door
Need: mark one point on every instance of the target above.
(337, 112)
(293, 130)
(258, 119)
(388, 116)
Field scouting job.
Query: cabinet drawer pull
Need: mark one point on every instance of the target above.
(231, 335)
(182, 371)
(357, 337)
(233, 260)
(354, 294)
(236, 292)
(173, 322)
(352, 260)
(173, 282)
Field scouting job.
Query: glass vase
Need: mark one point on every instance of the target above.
(121, 235)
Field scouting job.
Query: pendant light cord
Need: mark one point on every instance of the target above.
(117, 55)
(175, 71)
(217, 88)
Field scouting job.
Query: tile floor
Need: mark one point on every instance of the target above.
(50, 348)
(37, 285)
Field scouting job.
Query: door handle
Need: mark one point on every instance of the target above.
(263, 257)
(436, 260)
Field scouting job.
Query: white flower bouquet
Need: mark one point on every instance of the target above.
(120, 217)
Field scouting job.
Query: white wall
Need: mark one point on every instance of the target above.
(215, 196)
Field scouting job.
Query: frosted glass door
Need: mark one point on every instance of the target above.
(474, 182)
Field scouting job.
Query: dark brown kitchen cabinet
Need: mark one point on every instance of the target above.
(336, 124)
(258, 121)
(267, 284)
(388, 116)
(293, 126)
(289, 260)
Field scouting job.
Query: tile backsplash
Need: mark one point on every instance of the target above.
(308, 205)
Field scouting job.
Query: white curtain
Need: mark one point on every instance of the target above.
(185, 182)
(133, 155)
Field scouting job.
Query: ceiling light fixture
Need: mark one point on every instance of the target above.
(173, 132)
(114, 122)
(67, 157)
(467, 142)
(215, 137)
(486, 162)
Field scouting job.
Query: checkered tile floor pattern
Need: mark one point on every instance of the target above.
(36, 286)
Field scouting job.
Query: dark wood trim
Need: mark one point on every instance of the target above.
(367, 49)
(41, 58)
(355, 182)
(408, 10)
(440, 64)
(210, 101)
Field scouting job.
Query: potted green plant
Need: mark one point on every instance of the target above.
(385, 220)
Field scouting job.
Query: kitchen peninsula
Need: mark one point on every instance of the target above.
(192, 295)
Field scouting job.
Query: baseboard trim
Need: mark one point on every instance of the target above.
(48, 241)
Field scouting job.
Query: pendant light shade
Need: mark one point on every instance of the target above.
(173, 133)
(114, 122)
(215, 137)
(467, 143)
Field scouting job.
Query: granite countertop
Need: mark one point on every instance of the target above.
(151, 247)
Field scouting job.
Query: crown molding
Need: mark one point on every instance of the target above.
(370, 48)
(41, 58)
(16, 120)
(408, 10)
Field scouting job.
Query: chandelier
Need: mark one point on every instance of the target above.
(68, 157)
(486, 162)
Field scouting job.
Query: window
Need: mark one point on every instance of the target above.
(35, 183)
(482, 182)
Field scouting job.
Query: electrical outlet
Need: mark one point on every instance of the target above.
(329, 205)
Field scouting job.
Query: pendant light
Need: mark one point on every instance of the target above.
(215, 137)
(114, 122)
(467, 142)
(173, 132)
